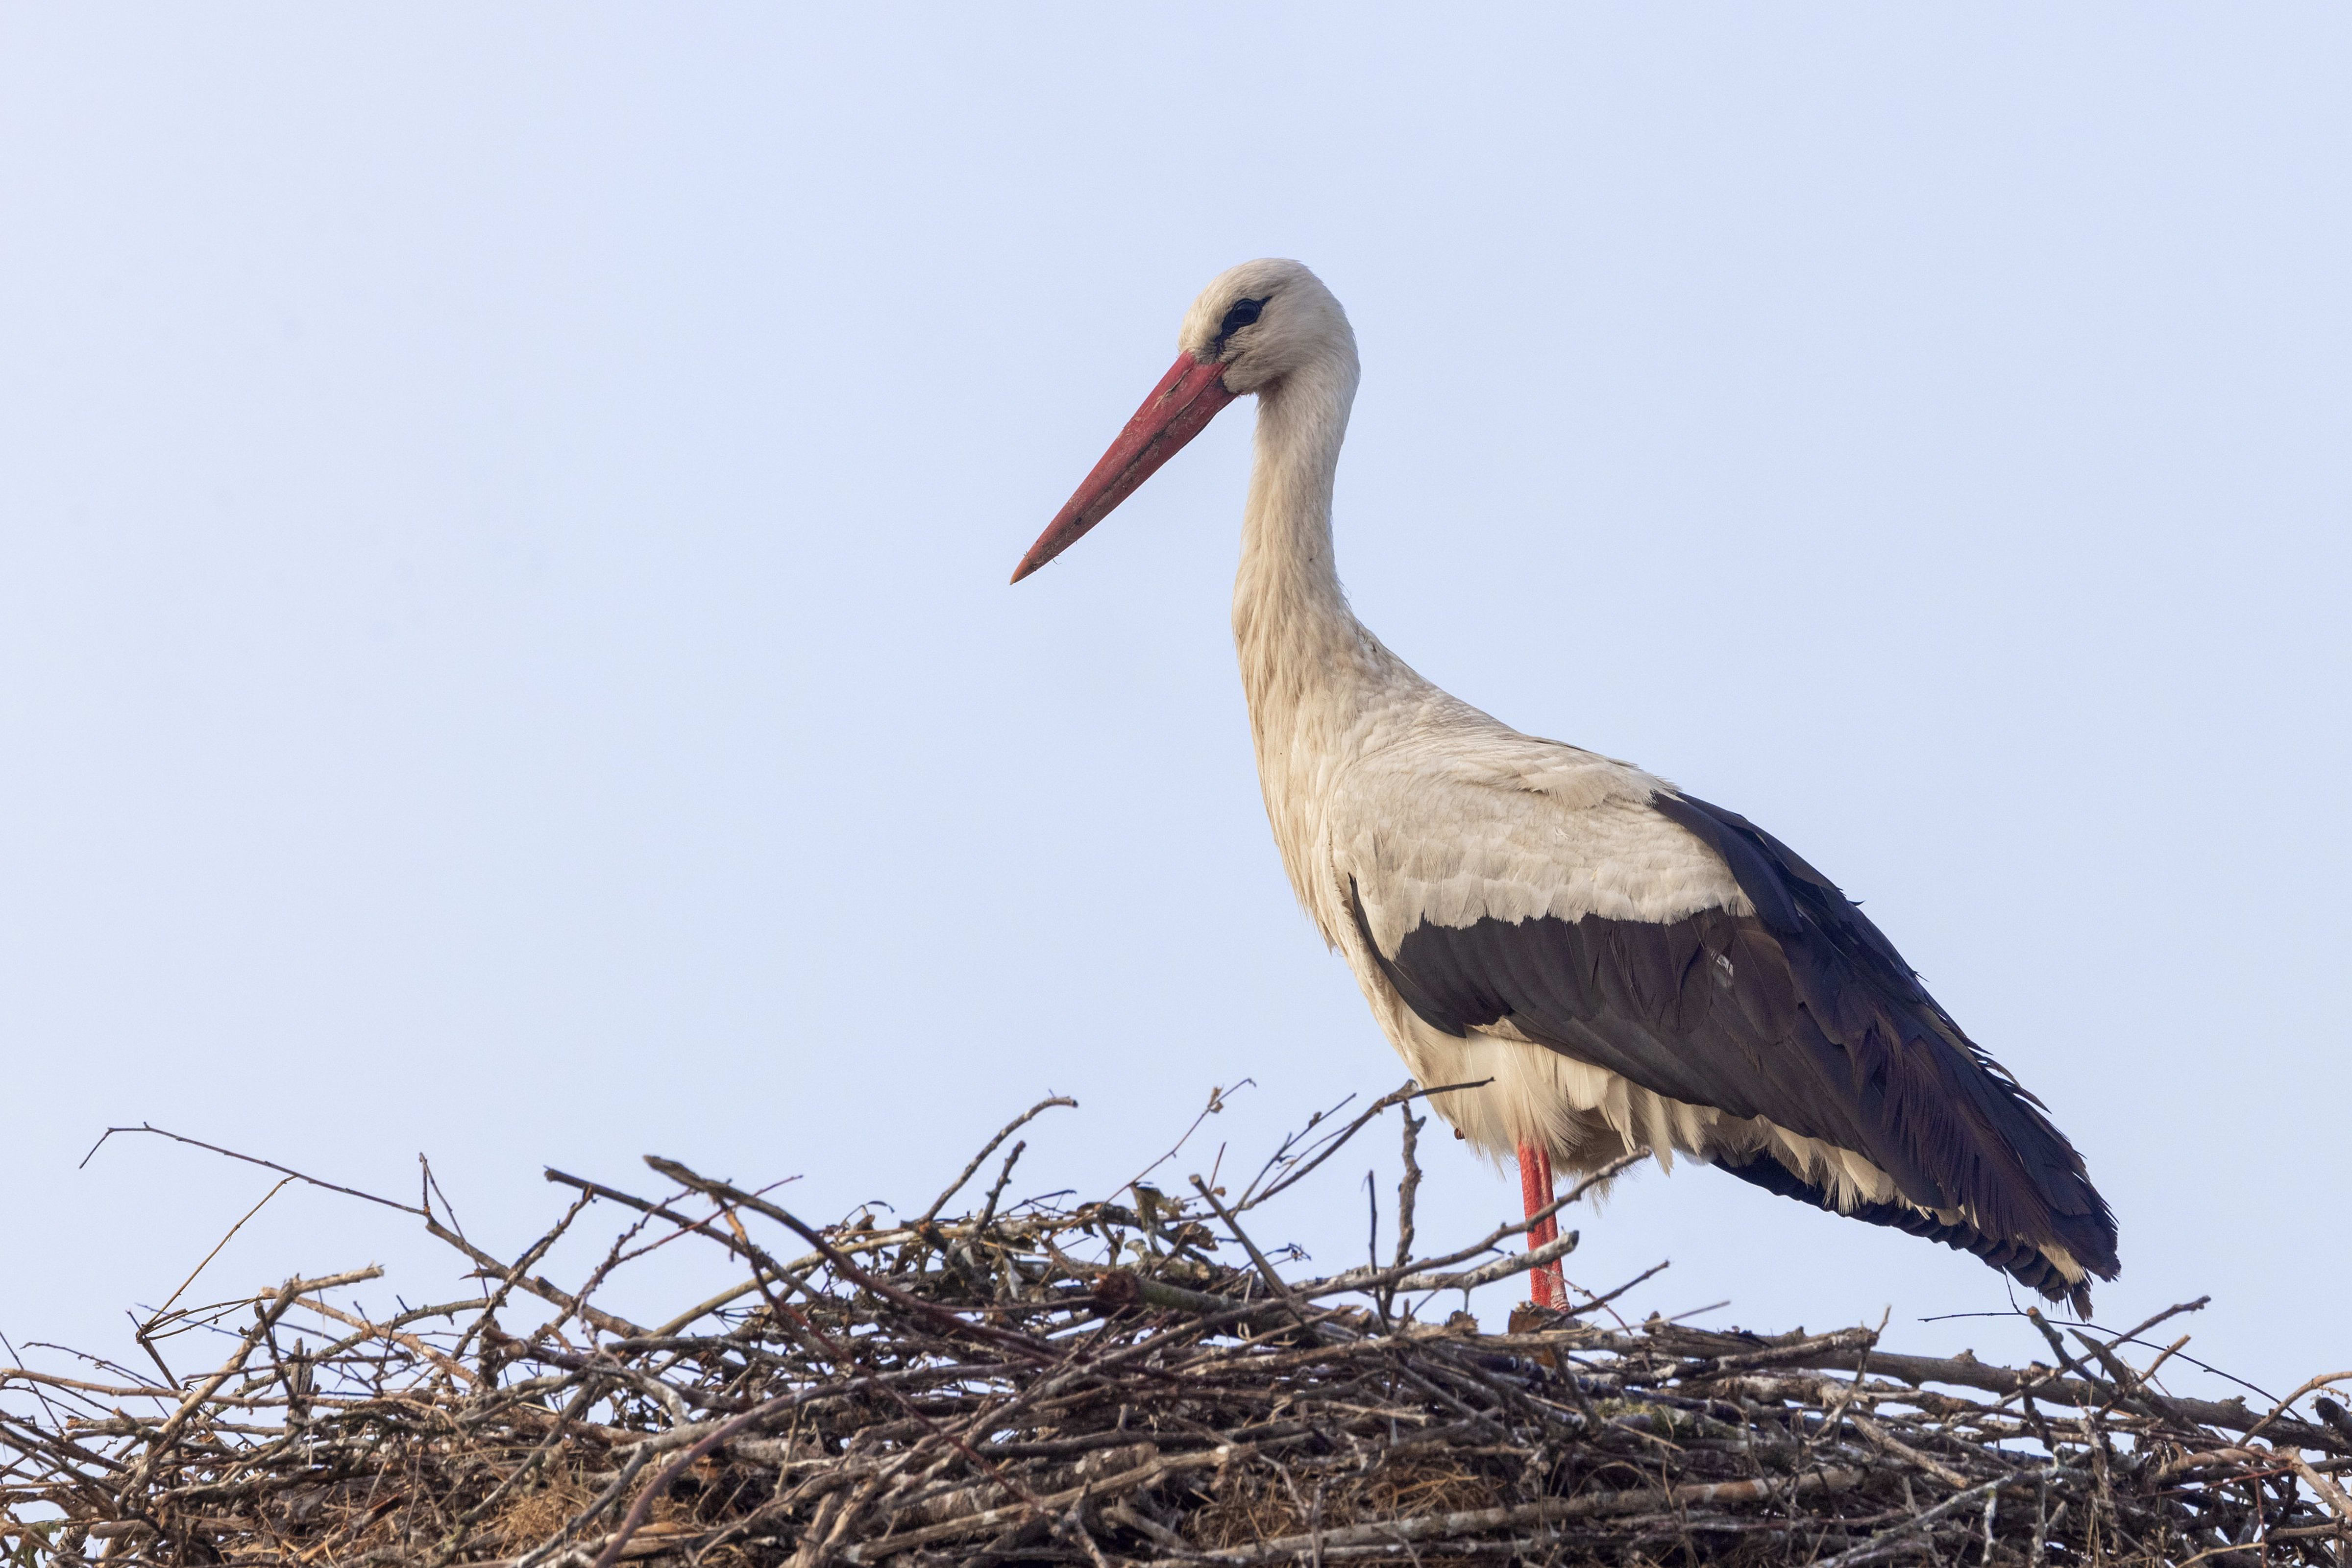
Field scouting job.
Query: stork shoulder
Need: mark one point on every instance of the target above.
(1451, 823)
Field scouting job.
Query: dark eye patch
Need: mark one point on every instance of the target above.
(1244, 313)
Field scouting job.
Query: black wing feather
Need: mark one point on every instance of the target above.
(2015, 1258)
(1803, 1013)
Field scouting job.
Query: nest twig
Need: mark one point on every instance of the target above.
(1117, 1381)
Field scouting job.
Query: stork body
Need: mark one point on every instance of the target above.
(1627, 968)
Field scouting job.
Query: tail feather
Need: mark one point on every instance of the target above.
(2022, 1261)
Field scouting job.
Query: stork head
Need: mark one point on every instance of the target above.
(1263, 320)
(1259, 323)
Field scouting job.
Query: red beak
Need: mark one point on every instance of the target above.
(1178, 408)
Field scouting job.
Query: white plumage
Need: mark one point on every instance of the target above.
(1630, 968)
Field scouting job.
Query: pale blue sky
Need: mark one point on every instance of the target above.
(504, 646)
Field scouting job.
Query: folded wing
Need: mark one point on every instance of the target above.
(1587, 908)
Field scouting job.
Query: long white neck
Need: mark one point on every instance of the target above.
(1316, 680)
(1292, 625)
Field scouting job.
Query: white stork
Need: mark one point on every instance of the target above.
(1628, 968)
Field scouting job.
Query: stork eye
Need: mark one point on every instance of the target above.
(1244, 313)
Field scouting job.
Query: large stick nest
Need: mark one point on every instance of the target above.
(1122, 1381)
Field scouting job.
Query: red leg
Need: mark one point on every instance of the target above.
(1534, 1191)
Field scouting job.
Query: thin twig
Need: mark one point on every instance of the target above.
(1007, 1130)
(250, 1159)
